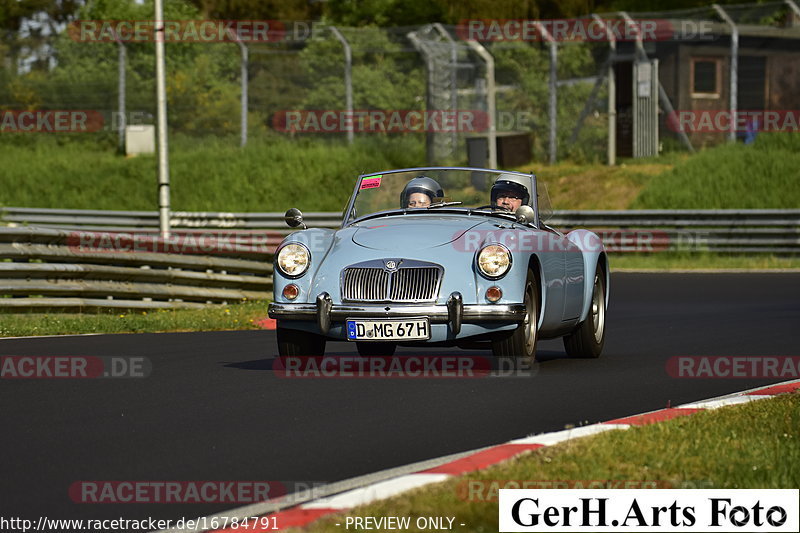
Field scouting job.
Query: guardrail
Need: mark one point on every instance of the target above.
(148, 220)
(742, 231)
(78, 259)
(728, 231)
(49, 268)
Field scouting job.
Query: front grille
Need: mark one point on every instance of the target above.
(414, 284)
(365, 284)
(376, 284)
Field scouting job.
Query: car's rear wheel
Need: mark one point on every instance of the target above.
(520, 344)
(296, 343)
(588, 339)
(374, 349)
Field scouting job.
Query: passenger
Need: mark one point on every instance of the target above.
(420, 192)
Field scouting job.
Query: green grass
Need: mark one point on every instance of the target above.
(584, 186)
(243, 315)
(206, 174)
(317, 175)
(748, 446)
(765, 174)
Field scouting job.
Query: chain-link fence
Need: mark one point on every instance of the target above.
(484, 92)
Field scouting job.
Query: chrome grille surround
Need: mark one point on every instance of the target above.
(373, 281)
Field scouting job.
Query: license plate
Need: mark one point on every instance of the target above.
(407, 329)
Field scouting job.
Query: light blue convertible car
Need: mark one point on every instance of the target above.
(441, 257)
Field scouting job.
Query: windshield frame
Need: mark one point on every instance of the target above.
(348, 221)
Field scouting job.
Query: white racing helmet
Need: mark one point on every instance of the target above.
(518, 185)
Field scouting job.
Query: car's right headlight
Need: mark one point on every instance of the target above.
(494, 261)
(293, 259)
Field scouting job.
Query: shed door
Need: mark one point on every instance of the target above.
(752, 78)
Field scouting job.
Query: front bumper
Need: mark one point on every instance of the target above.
(454, 312)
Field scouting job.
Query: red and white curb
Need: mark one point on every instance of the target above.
(308, 512)
(266, 323)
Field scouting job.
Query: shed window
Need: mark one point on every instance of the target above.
(705, 77)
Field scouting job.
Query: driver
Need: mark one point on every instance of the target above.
(509, 192)
(420, 192)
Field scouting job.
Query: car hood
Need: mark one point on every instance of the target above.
(415, 232)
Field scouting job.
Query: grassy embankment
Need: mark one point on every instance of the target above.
(268, 175)
(244, 315)
(756, 445)
(205, 175)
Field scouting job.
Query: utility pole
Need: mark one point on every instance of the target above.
(161, 102)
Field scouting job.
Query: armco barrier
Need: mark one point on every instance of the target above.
(62, 259)
(61, 269)
(729, 230)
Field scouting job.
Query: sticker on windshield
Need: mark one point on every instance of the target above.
(371, 183)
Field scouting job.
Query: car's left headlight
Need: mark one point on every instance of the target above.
(494, 261)
(293, 259)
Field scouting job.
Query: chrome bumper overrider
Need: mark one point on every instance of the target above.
(455, 312)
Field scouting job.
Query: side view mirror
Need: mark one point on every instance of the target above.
(294, 218)
(525, 214)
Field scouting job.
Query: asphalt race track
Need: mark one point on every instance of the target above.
(212, 409)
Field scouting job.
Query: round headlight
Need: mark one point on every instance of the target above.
(293, 259)
(494, 261)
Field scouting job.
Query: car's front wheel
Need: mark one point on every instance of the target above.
(296, 343)
(375, 349)
(588, 339)
(520, 345)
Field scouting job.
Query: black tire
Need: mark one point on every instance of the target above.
(520, 345)
(587, 341)
(296, 343)
(375, 349)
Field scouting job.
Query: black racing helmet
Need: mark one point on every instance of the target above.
(423, 184)
(513, 184)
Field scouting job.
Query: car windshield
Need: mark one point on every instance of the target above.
(425, 190)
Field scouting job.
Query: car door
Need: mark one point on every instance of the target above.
(574, 280)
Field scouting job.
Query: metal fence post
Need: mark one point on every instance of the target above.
(430, 153)
(734, 72)
(348, 78)
(612, 94)
(454, 77)
(121, 89)
(491, 104)
(553, 96)
(244, 81)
